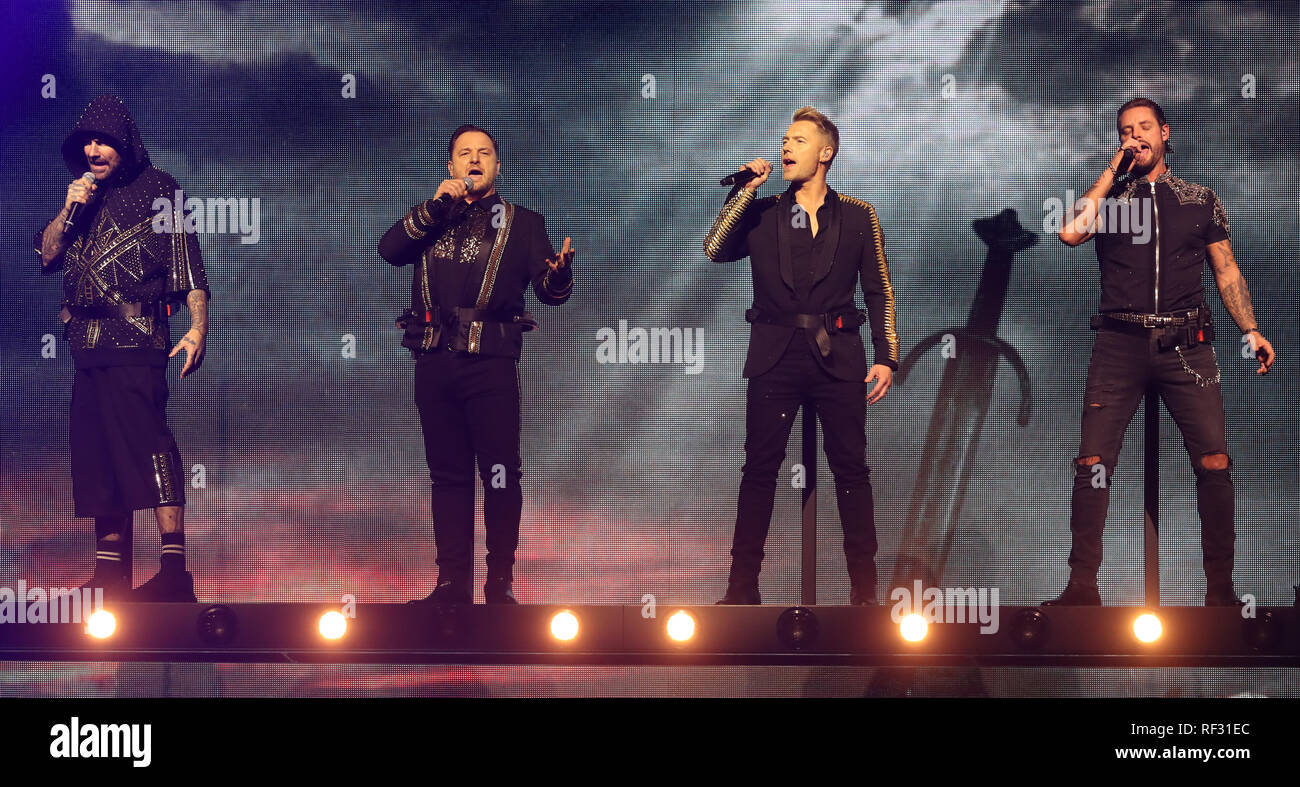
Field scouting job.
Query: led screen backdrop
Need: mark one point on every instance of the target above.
(307, 475)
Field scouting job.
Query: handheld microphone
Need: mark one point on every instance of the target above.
(469, 184)
(75, 211)
(738, 178)
(1125, 162)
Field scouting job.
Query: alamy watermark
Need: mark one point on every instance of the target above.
(947, 605)
(49, 605)
(94, 741)
(655, 345)
(1114, 215)
(216, 215)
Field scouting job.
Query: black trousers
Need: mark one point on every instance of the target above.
(1122, 366)
(772, 400)
(470, 411)
(124, 456)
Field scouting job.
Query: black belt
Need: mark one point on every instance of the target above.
(100, 311)
(466, 315)
(1183, 328)
(822, 324)
(1172, 319)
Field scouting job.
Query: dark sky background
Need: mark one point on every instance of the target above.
(316, 484)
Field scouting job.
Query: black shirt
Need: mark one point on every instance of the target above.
(804, 247)
(1169, 236)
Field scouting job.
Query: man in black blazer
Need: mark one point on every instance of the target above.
(474, 254)
(809, 247)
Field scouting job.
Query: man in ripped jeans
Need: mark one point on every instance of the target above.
(1154, 330)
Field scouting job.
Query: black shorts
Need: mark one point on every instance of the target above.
(124, 457)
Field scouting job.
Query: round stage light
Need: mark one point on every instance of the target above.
(564, 626)
(681, 626)
(1030, 629)
(217, 625)
(333, 625)
(101, 624)
(1147, 628)
(913, 627)
(1263, 633)
(797, 628)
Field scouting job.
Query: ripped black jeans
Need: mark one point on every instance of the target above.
(1187, 378)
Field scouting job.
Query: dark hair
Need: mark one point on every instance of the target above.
(1155, 108)
(471, 127)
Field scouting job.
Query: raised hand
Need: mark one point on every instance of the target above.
(563, 258)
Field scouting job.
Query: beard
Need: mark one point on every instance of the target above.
(1139, 169)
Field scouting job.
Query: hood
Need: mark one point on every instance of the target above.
(107, 117)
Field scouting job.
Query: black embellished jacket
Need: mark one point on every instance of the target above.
(852, 251)
(132, 261)
(473, 263)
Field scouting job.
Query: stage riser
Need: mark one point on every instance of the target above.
(397, 633)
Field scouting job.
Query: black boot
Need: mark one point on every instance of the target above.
(1222, 596)
(499, 590)
(167, 586)
(862, 595)
(449, 591)
(1076, 594)
(741, 590)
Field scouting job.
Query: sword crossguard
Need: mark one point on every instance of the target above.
(994, 344)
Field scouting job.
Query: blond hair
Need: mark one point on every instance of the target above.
(822, 122)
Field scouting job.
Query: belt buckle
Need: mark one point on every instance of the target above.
(1150, 321)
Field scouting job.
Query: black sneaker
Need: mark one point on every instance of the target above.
(115, 587)
(1076, 594)
(167, 586)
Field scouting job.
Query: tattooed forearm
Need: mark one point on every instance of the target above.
(1236, 297)
(52, 243)
(198, 303)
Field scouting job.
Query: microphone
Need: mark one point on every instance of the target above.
(469, 184)
(738, 178)
(1125, 162)
(75, 211)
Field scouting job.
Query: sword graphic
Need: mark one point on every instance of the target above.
(960, 407)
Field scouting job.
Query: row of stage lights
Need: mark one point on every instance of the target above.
(796, 627)
(333, 625)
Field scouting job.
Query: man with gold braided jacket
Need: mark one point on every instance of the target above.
(475, 254)
(809, 248)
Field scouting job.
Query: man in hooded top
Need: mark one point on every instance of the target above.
(128, 263)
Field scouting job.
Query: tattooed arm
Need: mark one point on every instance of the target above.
(195, 340)
(1236, 297)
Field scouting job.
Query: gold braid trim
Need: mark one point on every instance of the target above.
(490, 277)
(425, 216)
(546, 284)
(412, 230)
(891, 319)
(726, 222)
(426, 341)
